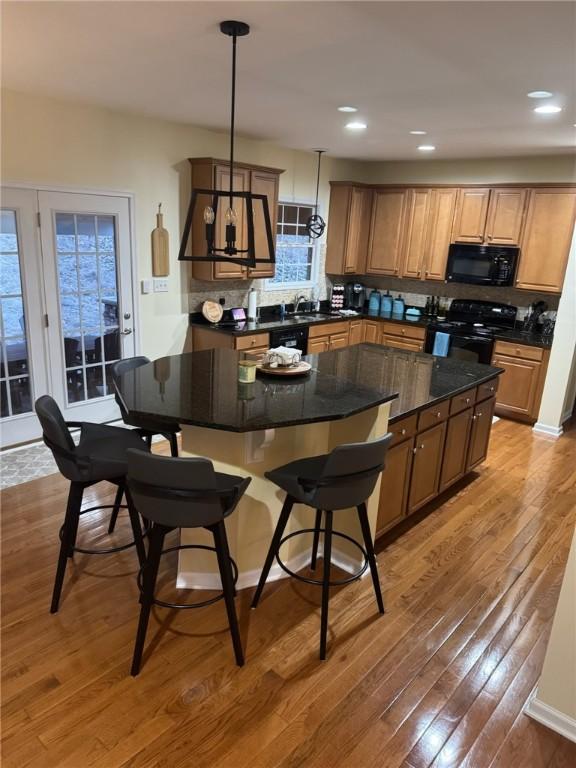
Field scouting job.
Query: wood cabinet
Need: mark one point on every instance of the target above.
(356, 332)
(348, 230)
(456, 448)
(440, 219)
(402, 336)
(387, 227)
(505, 216)
(208, 338)
(371, 331)
(426, 466)
(480, 437)
(208, 173)
(328, 336)
(417, 224)
(470, 216)
(321, 344)
(547, 239)
(521, 384)
(394, 486)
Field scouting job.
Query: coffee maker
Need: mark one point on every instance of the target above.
(354, 296)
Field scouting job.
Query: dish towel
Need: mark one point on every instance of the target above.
(441, 344)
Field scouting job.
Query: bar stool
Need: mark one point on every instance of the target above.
(149, 427)
(100, 455)
(183, 493)
(344, 478)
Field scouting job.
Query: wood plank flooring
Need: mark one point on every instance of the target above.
(441, 680)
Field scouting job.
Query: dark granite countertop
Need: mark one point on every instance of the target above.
(201, 388)
(244, 329)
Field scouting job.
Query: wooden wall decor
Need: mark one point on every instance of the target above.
(160, 247)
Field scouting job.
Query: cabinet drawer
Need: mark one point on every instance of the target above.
(432, 415)
(412, 345)
(518, 350)
(465, 400)
(408, 331)
(403, 429)
(252, 341)
(488, 389)
(327, 329)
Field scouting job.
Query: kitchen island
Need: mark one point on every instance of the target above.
(247, 429)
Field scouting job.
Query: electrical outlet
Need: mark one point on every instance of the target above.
(160, 285)
(147, 286)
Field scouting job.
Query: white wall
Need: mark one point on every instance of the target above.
(50, 142)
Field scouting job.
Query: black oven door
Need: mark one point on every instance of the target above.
(473, 349)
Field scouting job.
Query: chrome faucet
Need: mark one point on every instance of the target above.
(297, 302)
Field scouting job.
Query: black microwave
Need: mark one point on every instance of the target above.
(482, 264)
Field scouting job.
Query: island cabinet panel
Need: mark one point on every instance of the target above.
(403, 429)
(356, 332)
(465, 400)
(416, 233)
(348, 229)
(440, 220)
(481, 426)
(546, 240)
(426, 466)
(505, 216)
(371, 331)
(433, 415)
(394, 486)
(387, 229)
(488, 389)
(470, 216)
(454, 464)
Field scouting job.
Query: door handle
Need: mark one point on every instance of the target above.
(127, 331)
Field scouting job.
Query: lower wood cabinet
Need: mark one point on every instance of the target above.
(456, 448)
(321, 344)
(481, 426)
(371, 331)
(426, 466)
(521, 384)
(356, 332)
(394, 486)
(206, 338)
(402, 336)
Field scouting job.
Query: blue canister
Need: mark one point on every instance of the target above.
(386, 305)
(374, 303)
(398, 307)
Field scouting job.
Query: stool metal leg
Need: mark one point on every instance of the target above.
(150, 573)
(173, 444)
(274, 545)
(315, 540)
(326, 583)
(365, 525)
(136, 528)
(117, 503)
(223, 554)
(68, 539)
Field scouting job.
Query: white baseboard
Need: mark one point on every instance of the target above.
(546, 429)
(551, 717)
(196, 580)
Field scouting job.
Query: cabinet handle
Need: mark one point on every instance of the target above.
(421, 446)
(427, 272)
(402, 331)
(467, 400)
(491, 389)
(438, 415)
(402, 431)
(480, 415)
(474, 417)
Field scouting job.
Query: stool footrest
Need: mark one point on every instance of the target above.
(164, 603)
(104, 550)
(320, 582)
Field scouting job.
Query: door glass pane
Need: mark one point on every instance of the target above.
(87, 272)
(15, 391)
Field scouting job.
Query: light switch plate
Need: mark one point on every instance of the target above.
(147, 286)
(160, 285)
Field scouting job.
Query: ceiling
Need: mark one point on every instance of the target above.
(459, 70)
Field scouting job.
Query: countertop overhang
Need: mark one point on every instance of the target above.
(202, 388)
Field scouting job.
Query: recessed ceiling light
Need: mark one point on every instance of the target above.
(547, 109)
(539, 94)
(347, 109)
(426, 148)
(356, 125)
(418, 133)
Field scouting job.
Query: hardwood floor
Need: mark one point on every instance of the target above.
(440, 680)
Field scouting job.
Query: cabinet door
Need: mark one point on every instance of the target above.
(441, 218)
(394, 486)
(546, 239)
(371, 331)
(505, 216)
(481, 426)
(518, 384)
(387, 231)
(416, 231)
(426, 464)
(399, 343)
(357, 231)
(338, 340)
(456, 448)
(263, 183)
(356, 332)
(470, 217)
(319, 344)
(241, 182)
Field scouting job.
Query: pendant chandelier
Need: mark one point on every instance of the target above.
(316, 225)
(220, 232)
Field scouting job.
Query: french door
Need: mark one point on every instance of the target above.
(67, 305)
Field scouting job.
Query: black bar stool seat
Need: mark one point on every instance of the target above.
(183, 493)
(101, 454)
(344, 478)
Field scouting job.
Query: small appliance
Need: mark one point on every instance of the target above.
(472, 327)
(354, 296)
(482, 264)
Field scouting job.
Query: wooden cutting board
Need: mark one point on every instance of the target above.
(160, 255)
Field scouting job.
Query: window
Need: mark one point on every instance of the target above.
(295, 251)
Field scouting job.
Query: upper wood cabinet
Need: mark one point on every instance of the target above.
(428, 232)
(470, 217)
(505, 216)
(417, 225)
(547, 239)
(387, 227)
(208, 173)
(349, 226)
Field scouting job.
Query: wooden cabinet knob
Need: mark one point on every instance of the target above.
(467, 400)
(491, 389)
(439, 414)
(421, 446)
(402, 431)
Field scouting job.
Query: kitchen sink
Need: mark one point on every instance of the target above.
(308, 315)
